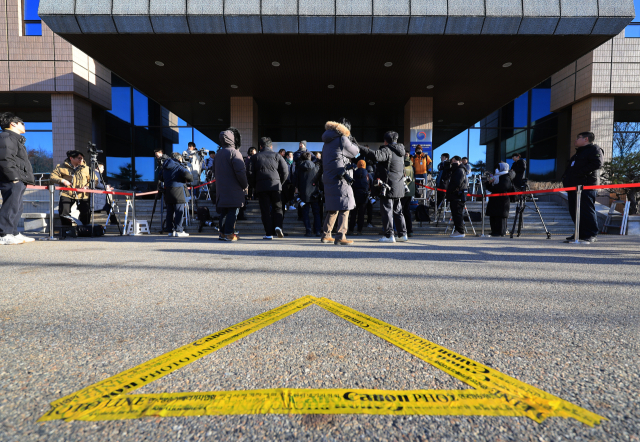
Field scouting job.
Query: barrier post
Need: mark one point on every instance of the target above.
(576, 237)
(133, 210)
(484, 198)
(52, 189)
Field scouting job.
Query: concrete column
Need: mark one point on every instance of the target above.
(418, 121)
(595, 115)
(71, 120)
(244, 117)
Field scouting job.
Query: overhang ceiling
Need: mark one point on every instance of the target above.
(462, 69)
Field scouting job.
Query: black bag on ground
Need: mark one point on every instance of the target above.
(203, 216)
(476, 217)
(84, 231)
(422, 214)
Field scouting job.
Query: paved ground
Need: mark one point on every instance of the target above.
(561, 317)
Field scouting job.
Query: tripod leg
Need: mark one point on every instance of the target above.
(520, 220)
(515, 220)
(541, 220)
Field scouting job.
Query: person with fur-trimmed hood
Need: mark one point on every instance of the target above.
(337, 152)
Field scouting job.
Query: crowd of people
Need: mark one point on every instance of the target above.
(332, 190)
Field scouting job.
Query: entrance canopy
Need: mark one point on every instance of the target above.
(471, 56)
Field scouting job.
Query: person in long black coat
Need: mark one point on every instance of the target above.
(499, 206)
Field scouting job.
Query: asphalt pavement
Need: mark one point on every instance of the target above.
(561, 317)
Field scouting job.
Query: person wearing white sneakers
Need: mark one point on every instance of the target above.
(175, 175)
(15, 174)
(390, 179)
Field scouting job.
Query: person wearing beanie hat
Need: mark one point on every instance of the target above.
(302, 147)
(498, 206)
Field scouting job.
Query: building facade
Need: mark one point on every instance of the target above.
(134, 75)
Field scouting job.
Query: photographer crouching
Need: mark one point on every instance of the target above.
(390, 181)
(73, 173)
(457, 195)
(175, 175)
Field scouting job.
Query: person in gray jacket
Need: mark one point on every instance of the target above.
(337, 152)
(231, 182)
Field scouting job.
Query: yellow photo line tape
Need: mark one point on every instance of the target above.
(167, 363)
(293, 401)
(468, 371)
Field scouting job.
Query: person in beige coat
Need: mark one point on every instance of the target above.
(76, 174)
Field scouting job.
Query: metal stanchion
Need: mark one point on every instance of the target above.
(52, 190)
(133, 210)
(576, 237)
(484, 198)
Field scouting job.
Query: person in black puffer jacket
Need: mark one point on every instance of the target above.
(175, 175)
(457, 195)
(584, 170)
(15, 174)
(267, 172)
(390, 171)
(361, 189)
(498, 207)
(306, 178)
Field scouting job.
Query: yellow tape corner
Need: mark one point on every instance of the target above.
(492, 394)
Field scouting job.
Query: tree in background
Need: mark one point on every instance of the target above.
(478, 167)
(624, 167)
(41, 160)
(126, 173)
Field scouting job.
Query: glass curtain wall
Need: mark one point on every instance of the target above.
(525, 126)
(136, 126)
(633, 29)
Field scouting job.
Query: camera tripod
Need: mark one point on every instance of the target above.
(520, 207)
(91, 148)
(155, 203)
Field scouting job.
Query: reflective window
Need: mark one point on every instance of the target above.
(202, 141)
(145, 167)
(31, 20)
(632, 31)
(120, 99)
(120, 169)
(520, 110)
(29, 126)
(39, 147)
(140, 109)
(540, 103)
(185, 134)
(626, 138)
(542, 163)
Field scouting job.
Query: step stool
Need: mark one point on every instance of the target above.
(36, 222)
(142, 226)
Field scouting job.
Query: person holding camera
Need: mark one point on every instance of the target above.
(306, 178)
(408, 196)
(498, 206)
(175, 175)
(15, 174)
(231, 182)
(584, 170)
(390, 181)
(266, 172)
(457, 195)
(73, 173)
(519, 167)
(338, 149)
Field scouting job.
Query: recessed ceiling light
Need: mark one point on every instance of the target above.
(36, 101)
(440, 121)
(331, 86)
(507, 64)
(159, 63)
(388, 64)
(631, 102)
(430, 86)
(372, 103)
(234, 86)
(201, 102)
(219, 119)
(287, 103)
(275, 63)
(461, 103)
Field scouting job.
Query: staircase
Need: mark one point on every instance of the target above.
(555, 216)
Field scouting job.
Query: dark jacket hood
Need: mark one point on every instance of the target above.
(227, 139)
(306, 165)
(397, 149)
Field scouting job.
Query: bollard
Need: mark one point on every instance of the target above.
(576, 238)
(484, 198)
(133, 210)
(52, 190)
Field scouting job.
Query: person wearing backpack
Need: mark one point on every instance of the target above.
(306, 178)
(175, 175)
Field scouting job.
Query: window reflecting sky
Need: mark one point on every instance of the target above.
(540, 103)
(121, 102)
(31, 9)
(39, 140)
(140, 109)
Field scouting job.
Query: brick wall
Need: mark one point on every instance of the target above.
(418, 115)
(594, 115)
(71, 116)
(244, 117)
